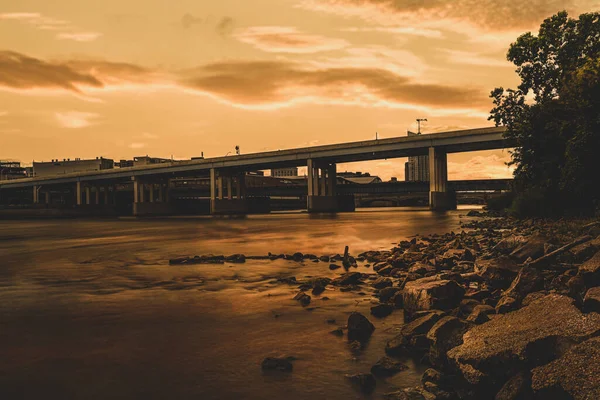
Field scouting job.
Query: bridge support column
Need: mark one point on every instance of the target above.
(322, 197)
(439, 196)
(97, 189)
(88, 196)
(78, 193)
(36, 195)
(47, 197)
(143, 206)
(232, 202)
(106, 195)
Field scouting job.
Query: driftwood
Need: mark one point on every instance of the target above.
(550, 256)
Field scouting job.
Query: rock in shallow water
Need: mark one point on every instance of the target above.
(387, 367)
(303, 299)
(532, 335)
(382, 310)
(359, 327)
(366, 382)
(277, 364)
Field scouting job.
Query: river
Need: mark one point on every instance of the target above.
(90, 309)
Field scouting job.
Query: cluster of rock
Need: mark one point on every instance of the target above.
(504, 310)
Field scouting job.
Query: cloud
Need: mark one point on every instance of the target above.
(486, 14)
(280, 83)
(42, 22)
(22, 72)
(402, 30)
(137, 145)
(481, 167)
(3, 113)
(283, 39)
(148, 135)
(75, 119)
(188, 20)
(377, 82)
(476, 59)
(79, 36)
(36, 20)
(225, 26)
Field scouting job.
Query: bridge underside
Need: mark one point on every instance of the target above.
(146, 190)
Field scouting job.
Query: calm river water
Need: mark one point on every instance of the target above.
(90, 309)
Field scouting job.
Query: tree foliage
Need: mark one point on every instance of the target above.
(553, 117)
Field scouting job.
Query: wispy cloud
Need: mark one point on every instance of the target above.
(488, 15)
(284, 39)
(403, 30)
(137, 145)
(36, 20)
(42, 22)
(481, 167)
(476, 59)
(79, 36)
(75, 119)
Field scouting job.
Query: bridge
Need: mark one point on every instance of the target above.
(228, 191)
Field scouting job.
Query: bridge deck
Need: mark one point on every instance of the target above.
(451, 142)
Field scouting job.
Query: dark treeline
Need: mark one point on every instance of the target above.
(554, 117)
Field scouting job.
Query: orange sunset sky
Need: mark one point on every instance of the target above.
(82, 78)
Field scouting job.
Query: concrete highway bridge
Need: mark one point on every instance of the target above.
(228, 192)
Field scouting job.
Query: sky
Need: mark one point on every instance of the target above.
(119, 79)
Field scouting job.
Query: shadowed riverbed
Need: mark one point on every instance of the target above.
(91, 309)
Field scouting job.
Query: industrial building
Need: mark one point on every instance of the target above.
(284, 172)
(11, 170)
(416, 169)
(68, 166)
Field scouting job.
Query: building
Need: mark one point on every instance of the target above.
(11, 170)
(124, 164)
(416, 169)
(361, 178)
(68, 166)
(280, 172)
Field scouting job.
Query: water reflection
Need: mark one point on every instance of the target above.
(91, 308)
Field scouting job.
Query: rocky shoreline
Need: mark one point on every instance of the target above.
(505, 309)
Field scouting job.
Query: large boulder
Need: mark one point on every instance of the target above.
(359, 327)
(518, 387)
(445, 334)
(527, 281)
(498, 272)
(590, 271)
(531, 336)
(576, 375)
(431, 293)
(532, 248)
(412, 335)
(591, 301)
(349, 278)
(585, 250)
(416, 393)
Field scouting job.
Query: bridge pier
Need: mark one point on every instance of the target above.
(224, 200)
(322, 196)
(440, 198)
(147, 206)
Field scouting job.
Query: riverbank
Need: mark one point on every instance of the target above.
(505, 309)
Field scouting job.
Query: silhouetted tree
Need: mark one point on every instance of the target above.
(554, 116)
